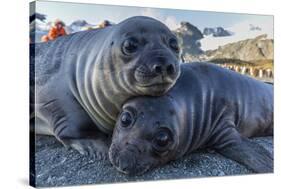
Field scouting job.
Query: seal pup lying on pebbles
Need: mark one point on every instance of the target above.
(209, 107)
(83, 79)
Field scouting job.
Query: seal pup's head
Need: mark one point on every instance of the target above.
(147, 134)
(147, 54)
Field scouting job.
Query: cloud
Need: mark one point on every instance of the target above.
(168, 20)
(150, 12)
(241, 31)
(172, 22)
(263, 22)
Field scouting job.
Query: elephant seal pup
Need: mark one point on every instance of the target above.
(209, 107)
(83, 79)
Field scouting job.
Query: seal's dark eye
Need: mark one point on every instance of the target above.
(174, 45)
(161, 140)
(130, 46)
(126, 119)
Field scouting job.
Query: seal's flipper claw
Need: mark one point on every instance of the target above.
(77, 146)
(250, 154)
(95, 148)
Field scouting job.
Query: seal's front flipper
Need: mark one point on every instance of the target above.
(250, 154)
(72, 126)
(86, 140)
(95, 147)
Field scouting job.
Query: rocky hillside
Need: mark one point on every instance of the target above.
(189, 38)
(259, 48)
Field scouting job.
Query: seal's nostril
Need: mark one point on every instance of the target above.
(170, 69)
(157, 69)
(126, 162)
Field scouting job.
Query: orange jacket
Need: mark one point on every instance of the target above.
(53, 34)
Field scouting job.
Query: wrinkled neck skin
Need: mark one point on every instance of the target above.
(97, 83)
(203, 115)
(195, 131)
(197, 115)
(107, 84)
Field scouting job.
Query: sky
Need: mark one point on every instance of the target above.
(94, 14)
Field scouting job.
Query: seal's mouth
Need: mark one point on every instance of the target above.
(127, 161)
(153, 83)
(159, 85)
(150, 80)
(137, 170)
(144, 76)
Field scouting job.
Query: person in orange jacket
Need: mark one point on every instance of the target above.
(56, 31)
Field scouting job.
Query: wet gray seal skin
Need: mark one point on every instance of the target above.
(83, 79)
(209, 107)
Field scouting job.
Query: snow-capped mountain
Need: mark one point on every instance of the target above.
(38, 26)
(37, 21)
(216, 32)
(189, 36)
(38, 16)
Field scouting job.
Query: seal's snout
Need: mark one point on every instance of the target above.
(157, 70)
(163, 65)
(124, 160)
(127, 163)
(128, 159)
(164, 69)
